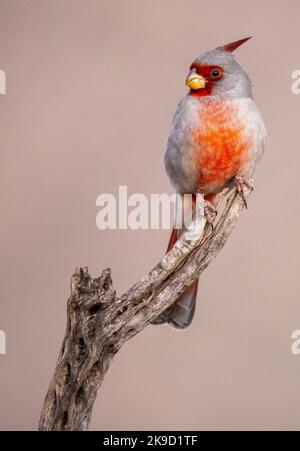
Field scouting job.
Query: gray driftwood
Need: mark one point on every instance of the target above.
(99, 322)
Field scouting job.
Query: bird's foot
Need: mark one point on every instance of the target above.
(243, 186)
(210, 212)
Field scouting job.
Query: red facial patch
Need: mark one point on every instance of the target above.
(212, 75)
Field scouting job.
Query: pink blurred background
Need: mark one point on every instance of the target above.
(91, 90)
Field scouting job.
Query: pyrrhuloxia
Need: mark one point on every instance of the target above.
(217, 137)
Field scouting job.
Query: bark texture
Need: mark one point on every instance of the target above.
(99, 322)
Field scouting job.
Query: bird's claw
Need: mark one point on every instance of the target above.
(243, 186)
(210, 212)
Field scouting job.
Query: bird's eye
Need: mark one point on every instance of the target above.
(215, 73)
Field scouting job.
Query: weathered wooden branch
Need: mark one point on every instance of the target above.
(99, 322)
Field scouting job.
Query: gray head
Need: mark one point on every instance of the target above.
(216, 73)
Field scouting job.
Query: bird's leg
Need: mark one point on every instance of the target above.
(243, 186)
(210, 210)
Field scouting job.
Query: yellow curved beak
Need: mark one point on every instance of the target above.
(195, 81)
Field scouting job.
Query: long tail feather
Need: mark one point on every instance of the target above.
(181, 313)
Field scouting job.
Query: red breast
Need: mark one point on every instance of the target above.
(221, 145)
